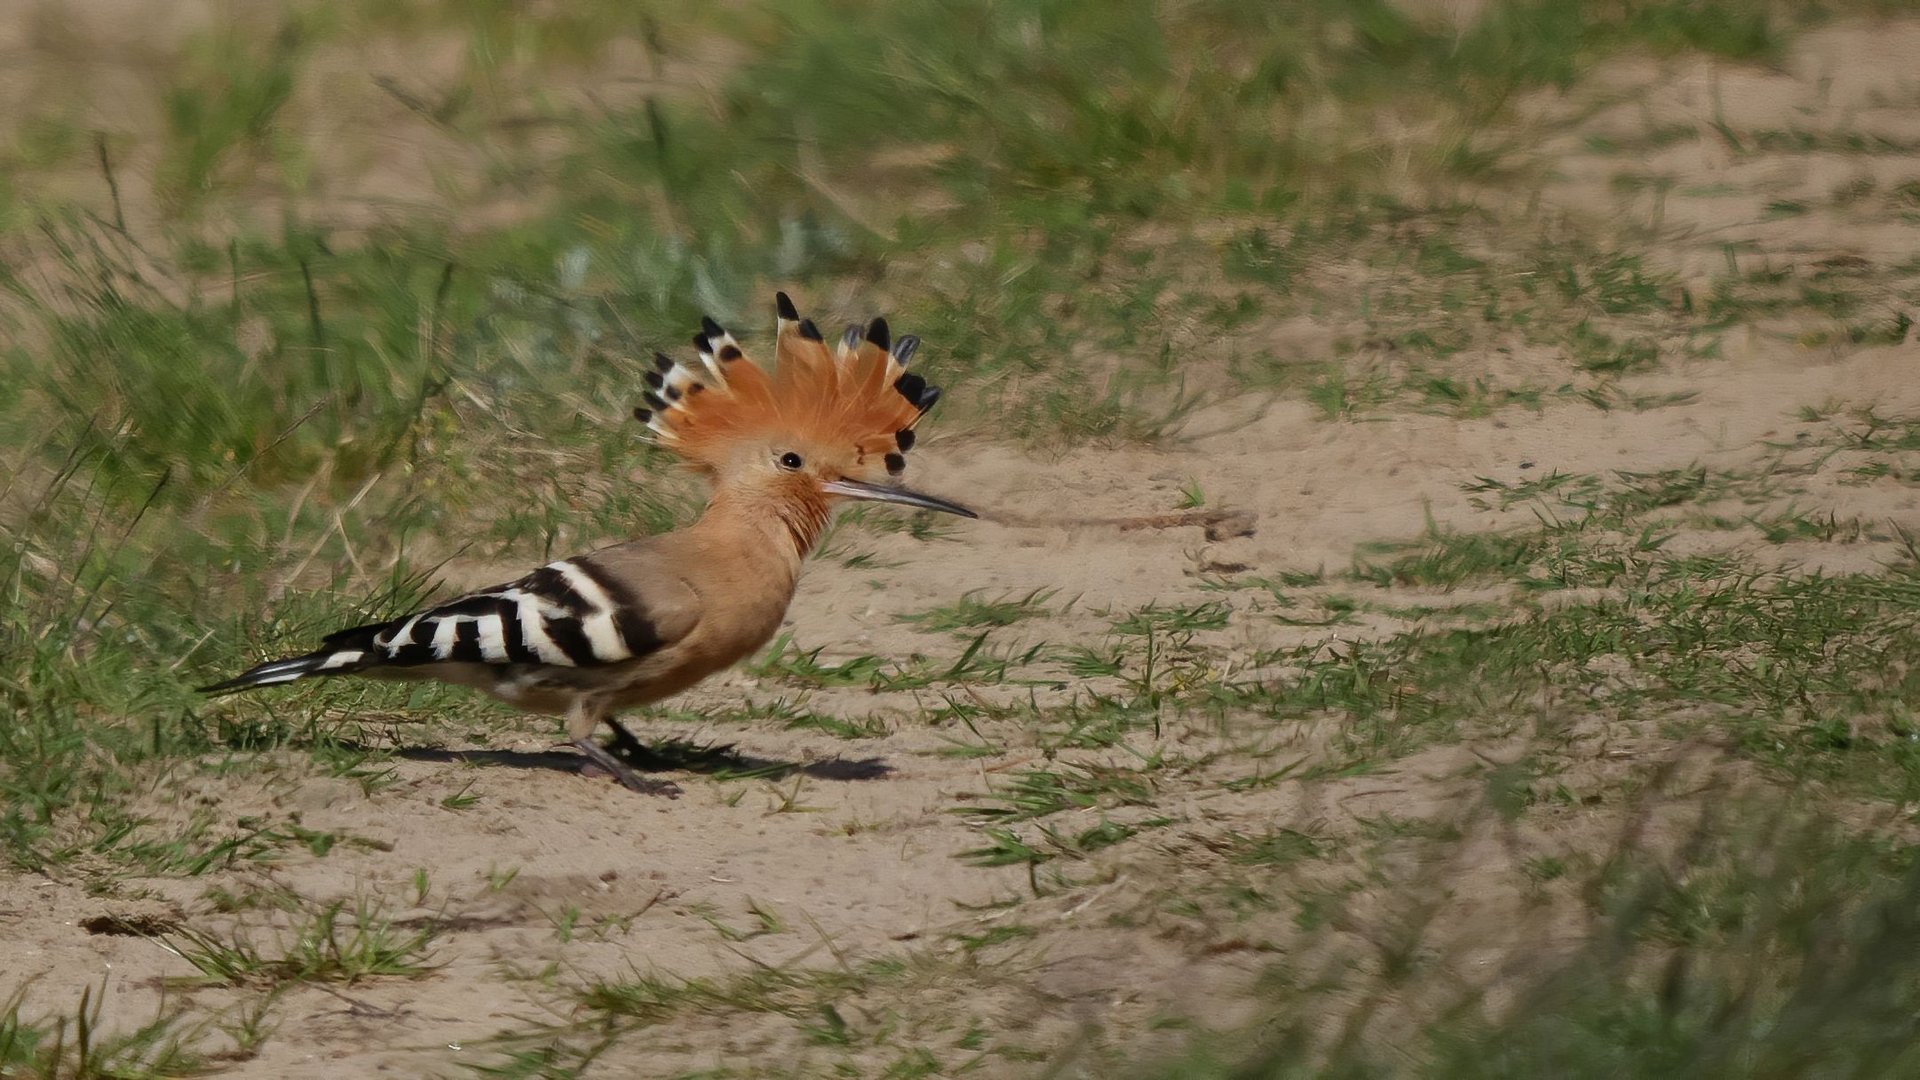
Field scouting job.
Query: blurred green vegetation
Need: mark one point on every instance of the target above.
(1769, 945)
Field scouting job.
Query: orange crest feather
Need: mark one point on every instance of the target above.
(859, 396)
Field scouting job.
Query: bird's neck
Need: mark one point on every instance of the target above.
(787, 527)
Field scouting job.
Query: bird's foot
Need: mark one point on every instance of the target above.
(600, 759)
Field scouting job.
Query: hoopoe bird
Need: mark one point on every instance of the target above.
(640, 621)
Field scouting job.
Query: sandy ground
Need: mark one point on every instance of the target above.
(865, 868)
(870, 869)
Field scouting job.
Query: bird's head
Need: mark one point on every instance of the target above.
(828, 423)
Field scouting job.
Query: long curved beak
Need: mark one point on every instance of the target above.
(854, 489)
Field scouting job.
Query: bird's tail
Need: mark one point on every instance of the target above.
(342, 654)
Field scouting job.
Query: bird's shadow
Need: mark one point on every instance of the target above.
(719, 760)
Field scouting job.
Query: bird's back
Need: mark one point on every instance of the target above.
(546, 629)
(627, 624)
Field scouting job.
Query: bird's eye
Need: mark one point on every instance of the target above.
(790, 461)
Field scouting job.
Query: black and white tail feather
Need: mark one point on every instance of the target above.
(567, 614)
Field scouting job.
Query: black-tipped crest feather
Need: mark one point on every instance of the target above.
(911, 386)
(864, 369)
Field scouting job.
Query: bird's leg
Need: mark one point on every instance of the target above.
(582, 718)
(628, 745)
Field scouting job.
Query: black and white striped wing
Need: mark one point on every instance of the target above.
(567, 614)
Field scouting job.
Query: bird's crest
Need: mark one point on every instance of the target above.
(858, 394)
